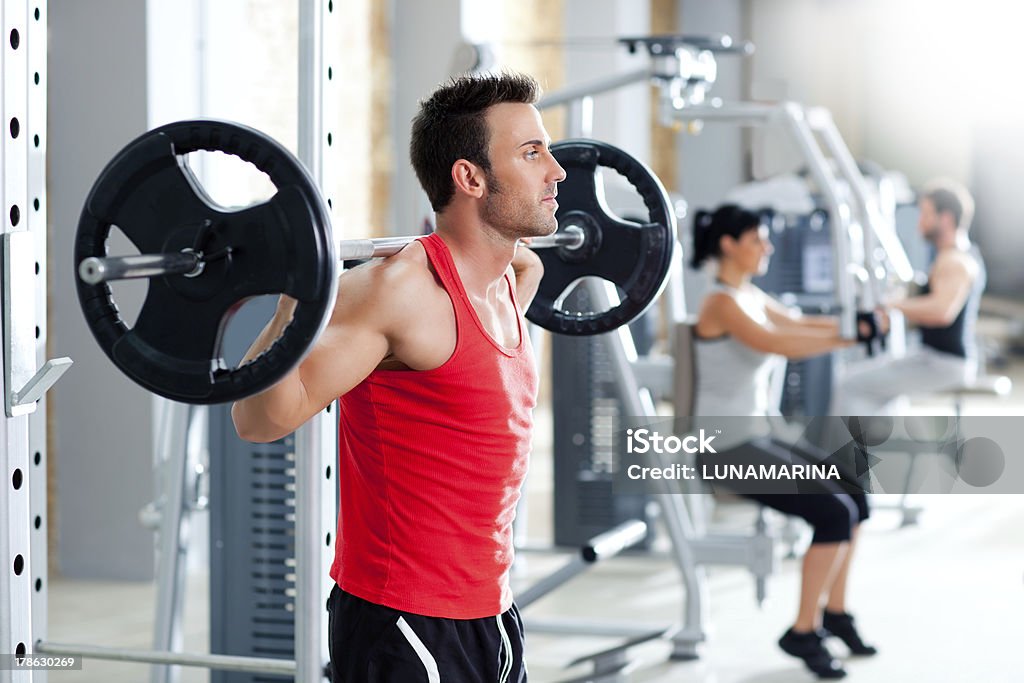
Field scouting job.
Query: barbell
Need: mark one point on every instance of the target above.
(191, 263)
(204, 261)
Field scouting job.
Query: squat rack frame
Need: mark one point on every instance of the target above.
(23, 538)
(27, 374)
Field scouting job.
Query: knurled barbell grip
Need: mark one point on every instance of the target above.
(95, 270)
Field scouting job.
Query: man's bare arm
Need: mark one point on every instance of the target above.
(353, 344)
(949, 285)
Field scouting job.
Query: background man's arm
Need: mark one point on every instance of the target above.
(949, 285)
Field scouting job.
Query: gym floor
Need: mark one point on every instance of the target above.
(935, 597)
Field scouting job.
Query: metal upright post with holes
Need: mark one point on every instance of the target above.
(27, 374)
(36, 142)
(316, 442)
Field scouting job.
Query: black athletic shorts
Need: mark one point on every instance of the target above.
(370, 643)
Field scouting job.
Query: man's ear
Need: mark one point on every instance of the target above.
(948, 219)
(469, 178)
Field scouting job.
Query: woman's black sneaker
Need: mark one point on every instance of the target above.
(810, 648)
(840, 625)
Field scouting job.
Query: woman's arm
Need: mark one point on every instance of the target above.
(783, 316)
(723, 314)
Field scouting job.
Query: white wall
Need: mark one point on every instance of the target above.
(928, 87)
(425, 36)
(715, 160)
(102, 422)
(622, 116)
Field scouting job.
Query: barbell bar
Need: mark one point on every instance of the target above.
(190, 263)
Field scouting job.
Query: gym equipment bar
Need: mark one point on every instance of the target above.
(189, 263)
(225, 662)
(600, 547)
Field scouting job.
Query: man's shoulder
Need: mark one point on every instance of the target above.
(408, 268)
(395, 283)
(953, 260)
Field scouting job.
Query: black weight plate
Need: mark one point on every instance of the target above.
(283, 245)
(636, 257)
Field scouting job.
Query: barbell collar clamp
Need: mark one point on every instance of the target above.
(573, 237)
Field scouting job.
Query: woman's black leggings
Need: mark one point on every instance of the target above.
(833, 513)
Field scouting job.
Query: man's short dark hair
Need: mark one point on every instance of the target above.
(952, 197)
(450, 126)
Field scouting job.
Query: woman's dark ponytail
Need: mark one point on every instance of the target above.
(709, 228)
(702, 247)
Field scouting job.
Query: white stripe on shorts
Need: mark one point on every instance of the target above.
(433, 676)
(506, 645)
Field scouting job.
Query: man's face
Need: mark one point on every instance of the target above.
(522, 182)
(930, 223)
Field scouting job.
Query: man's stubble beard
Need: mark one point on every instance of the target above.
(515, 219)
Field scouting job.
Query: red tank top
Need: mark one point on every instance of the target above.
(430, 467)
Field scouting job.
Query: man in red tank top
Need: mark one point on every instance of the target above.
(429, 353)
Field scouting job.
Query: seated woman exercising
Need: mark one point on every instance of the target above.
(740, 334)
